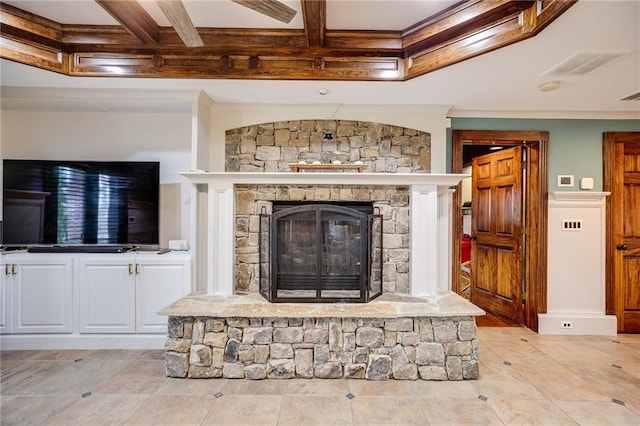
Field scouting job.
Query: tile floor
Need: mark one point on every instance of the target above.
(524, 379)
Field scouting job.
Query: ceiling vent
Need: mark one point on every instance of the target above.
(582, 63)
(632, 97)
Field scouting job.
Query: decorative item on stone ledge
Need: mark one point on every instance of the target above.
(304, 167)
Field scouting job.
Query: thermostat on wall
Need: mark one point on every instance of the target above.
(565, 180)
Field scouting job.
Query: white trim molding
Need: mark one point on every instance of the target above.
(576, 274)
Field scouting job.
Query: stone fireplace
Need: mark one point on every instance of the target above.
(389, 202)
(272, 147)
(414, 329)
(413, 203)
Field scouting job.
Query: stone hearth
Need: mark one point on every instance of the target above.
(393, 337)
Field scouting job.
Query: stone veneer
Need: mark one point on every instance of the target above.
(406, 348)
(391, 201)
(270, 147)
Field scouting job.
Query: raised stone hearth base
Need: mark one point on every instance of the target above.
(409, 338)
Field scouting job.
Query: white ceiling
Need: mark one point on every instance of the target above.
(502, 83)
(341, 14)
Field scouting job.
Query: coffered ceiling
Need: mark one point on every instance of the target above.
(476, 54)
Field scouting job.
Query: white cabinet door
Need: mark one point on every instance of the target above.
(107, 295)
(42, 296)
(159, 283)
(6, 297)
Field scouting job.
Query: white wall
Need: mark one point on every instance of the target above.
(64, 135)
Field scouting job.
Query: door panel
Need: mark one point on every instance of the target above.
(482, 261)
(107, 295)
(42, 297)
(482, 209)
(503, 211)
(158, 285)
(622, 179)
(632, 295)
(497, 230)
(631, 200)
(506, 274)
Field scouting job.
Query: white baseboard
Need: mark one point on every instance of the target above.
(81, 341)
(581, 324)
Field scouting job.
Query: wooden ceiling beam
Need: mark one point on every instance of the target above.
(462, 18)
(370, 42)
(91, 50)
(24, 25)
(271, 8)
(177, 15)
(133, 18)
(314, 15)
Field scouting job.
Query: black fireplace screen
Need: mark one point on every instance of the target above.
(321, 253)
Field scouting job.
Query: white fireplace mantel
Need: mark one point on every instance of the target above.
(430, 206)
(324, 178)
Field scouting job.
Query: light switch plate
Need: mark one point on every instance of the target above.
(586, 183)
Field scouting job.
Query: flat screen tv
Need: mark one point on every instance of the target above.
(79, 203)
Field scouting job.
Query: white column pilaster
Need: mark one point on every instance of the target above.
(424, 240)
(444, 238)
(220, 262)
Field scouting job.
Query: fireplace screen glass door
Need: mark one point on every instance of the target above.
(321, 253)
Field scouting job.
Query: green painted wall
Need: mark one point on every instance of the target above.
(575, 146)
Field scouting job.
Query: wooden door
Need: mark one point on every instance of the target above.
(622, 179)
(496, 227)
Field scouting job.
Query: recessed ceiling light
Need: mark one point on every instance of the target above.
(550, 85)
(323, 92)
(495, 148)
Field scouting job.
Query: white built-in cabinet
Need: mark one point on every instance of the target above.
(122, 294)
(37, 294)
(90, 293)
(9, 270)
(107, 295)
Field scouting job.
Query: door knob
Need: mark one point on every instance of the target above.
(621, 247)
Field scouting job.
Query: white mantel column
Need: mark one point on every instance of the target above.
(445, 202)
(430, 248)
(424, 239)
(220, 238)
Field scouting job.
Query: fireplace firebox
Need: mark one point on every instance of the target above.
(321, 252)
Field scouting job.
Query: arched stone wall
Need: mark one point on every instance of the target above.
(270, 147)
